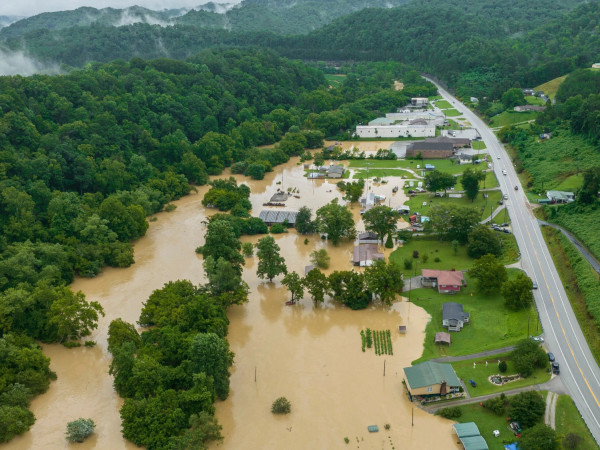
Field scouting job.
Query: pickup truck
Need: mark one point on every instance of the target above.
(555, 368)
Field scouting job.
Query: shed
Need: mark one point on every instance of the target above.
(402, 329)
(467, 429)
(442, 338)
(269, 217)
(474, 443)
(368, 238)
(364, 255)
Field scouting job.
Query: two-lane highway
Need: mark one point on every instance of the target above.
(579, 372)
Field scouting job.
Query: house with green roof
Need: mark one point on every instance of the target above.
(431, 378)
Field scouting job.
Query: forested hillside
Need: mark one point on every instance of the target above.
(85, 157)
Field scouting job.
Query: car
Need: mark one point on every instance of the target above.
(472, 383)
(500, 202)
(516, 188)
(555, 368)
(537, 339)
(411, 191)
(505, 224)
(506, 230)
(503, 171)
(551, 357)
(505, 196)
(498, 156)
(534, 285)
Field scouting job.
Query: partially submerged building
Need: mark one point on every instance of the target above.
(366, 254)
(270, 217)
(429, 379)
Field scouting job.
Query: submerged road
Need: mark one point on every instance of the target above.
(578, 370)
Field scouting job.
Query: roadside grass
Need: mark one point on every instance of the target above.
(589, 327)
(487, 422)
(433, 248)
(377, 163)
(422, 203)
(435, 97)
(550, 88)
(444, 165)
(443, 104)
(583, 223)
(373, 173)
(511, 117)
(490, 181)
(533, 100)
(510, 249)
(480, 373)
(569, 420)
(452, 113)
(478, 145)
(492, 324)
(335, 80)
(501, 217)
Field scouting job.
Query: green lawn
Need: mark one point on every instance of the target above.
(372, 173)
(485, 206)
(568, 420)
(377, 163)
(490, 181)
(443, 104)
(335, 80)
(551, 87)
(452, 125)
(452, 113)
(492, 324)
(433, 248)
(502, 217)
(436, 97)
(571, 184)
(510, 117)
(478, 145)
(480, 374)
(533, 100)
(444, 165)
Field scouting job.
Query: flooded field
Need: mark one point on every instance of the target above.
(310, 355)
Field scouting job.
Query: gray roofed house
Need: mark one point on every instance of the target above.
(364, 255)
(368, 238)
(335, 171)
(269, 217)
(453, 316)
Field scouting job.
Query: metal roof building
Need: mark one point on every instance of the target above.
(270, 217)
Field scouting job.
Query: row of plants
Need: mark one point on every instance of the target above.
(381, 340)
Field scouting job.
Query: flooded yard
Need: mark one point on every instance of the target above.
(311, 355)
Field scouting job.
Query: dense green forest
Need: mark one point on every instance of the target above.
(479, 48)
(86, 157)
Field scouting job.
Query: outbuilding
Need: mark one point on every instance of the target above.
(270, 217)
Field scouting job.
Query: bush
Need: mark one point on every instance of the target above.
(571, 441)
(170, 207)
(408, 264)
(437, 259)
(247, 249)
(424, 258)
(449, 413)
(389, 243)
(495, 404)
(281, 406)
(415, 254)
(320, 258)
(80, 429)
(278, 228)
(502, 366)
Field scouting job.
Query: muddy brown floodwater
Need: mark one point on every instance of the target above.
(311, 355)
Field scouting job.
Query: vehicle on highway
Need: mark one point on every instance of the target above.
(551, 357)
(555, 368)
(503, 171)
(534, 285)
(498, 156)
(505, 197)
(537, 339)
(516, 188)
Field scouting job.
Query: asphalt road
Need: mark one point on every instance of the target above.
(578, 369)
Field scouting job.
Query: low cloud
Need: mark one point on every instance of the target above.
(129, 19)
(19, 63)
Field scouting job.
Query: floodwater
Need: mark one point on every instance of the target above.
(311, 355)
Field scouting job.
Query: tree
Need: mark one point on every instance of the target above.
(294, 284)
(281, 406)
(483, 241)
(528, 355)
(489, 272)
(350, 289)
(452, 222)
(381, 220)
(316, 285)
(120, 332)
(352, 190)
(223, 277)
(247, 249)
(539, 437)
(591, 185)
(513, 97)
(210, 354)
(71, 316)
(527, 408)
(78, 430)
(221, 242)
(270, 262)
(15, 420)
(384, 280)
(320, 258)
(438, 181)
(517, 292)
(303, 223)
(204, 428)
(470, 182)
(336, 221)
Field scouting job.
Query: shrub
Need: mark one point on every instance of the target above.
(389, 243)
(571, 441)
(424, 258)
(90, 343)
(415, 254)
(449, 413)
(387, 426)
(502, 366)
(281, 406)
(80, 429)
(247, 249)
(495, 404)
(278, 228)
(437, 259)
(346, 440)
(408, 264)
(170, 207)
(320, 258)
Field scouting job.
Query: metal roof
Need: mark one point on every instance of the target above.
(271, 216)
(474, 443)
(430, 373)
(466, 429)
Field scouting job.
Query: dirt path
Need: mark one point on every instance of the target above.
(550, 414)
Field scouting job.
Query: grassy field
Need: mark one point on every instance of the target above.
(492, 324)
(377, 163)
(550, 88)
(533, 100)
(452, 113)
(444, 165)
(372, 173)
(478, 145)
(422, 203)
(571, 184)
(490, 181)
(443, 104)
(433, 248)
(502, 217)
(480, 373)
(510, 117)
(569, 419)
(335, 80)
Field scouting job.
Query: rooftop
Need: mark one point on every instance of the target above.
(430, 373)
(270, 216)
(445, 277)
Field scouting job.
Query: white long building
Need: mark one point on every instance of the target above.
(414, 128)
